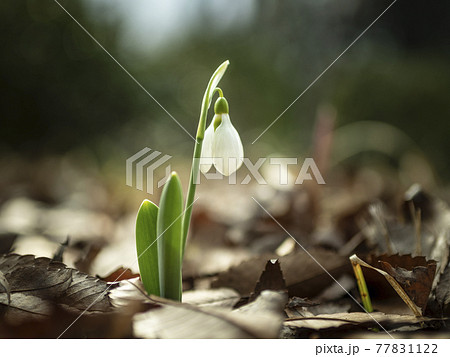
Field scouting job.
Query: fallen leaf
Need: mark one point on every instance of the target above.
(270, 279)
(442, 293)
(120, 274)
(4, 287)
(222, 297)
(61, 323)
(36, 285)
(303, 276)
(415, 275)
(356, 319)
(413, 286)
(170, 319)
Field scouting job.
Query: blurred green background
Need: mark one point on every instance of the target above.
(61, 92)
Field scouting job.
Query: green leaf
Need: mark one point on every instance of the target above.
(207, 98)
(170, 240)
(214, 81)
(147, 248)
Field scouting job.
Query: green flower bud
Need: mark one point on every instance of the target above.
(221, 106)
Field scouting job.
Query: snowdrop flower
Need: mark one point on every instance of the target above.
(221, 142)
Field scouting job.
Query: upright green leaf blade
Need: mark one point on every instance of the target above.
(147, 248)
(170, 239)
(214, 81)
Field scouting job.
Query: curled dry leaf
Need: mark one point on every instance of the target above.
(414, 274)
(411, 278)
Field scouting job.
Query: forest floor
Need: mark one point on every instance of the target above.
(261, 261)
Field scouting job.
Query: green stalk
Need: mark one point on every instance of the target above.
(206, 103)
(362, 287)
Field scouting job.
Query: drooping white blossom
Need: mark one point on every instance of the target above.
(223, 145)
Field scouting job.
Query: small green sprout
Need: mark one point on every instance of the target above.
(362, 286)
(161, 233)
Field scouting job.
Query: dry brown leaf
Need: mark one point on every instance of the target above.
(270, 279)
(415, 275)
(303, 276)
(413, 286)
(222, 297)
(120, 274)
(442, 293)
(36, 285)
(356, 319)
(56, 324)
(132, 292)
(179, 320)
(170, 319)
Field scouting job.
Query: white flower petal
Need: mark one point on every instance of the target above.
(227, 149)
(206, 156)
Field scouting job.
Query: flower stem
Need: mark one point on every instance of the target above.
(195, 168)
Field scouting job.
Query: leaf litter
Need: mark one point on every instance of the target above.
(239, 291)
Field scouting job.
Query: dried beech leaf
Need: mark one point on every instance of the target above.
(23, 307)
(356, 319)
(270, 279)
(35, 276)
(38, 284)
(86, 292)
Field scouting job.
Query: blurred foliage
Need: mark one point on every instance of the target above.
(60, 90)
